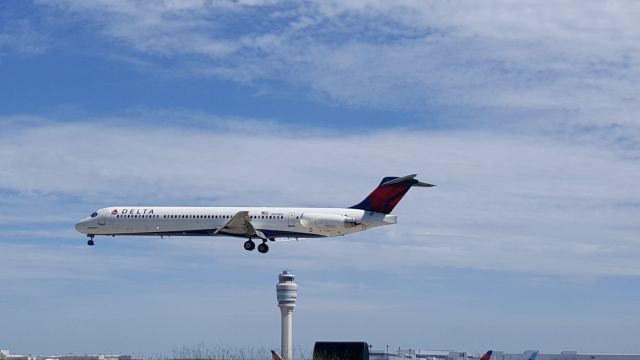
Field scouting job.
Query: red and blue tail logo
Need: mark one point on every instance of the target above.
(487, 355)
(389, 193)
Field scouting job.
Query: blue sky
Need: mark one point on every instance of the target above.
(523, 114)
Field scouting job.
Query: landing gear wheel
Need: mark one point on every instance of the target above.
(250, 245)
(263, 248)
(90, 242)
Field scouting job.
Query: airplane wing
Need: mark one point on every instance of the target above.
(239, 224)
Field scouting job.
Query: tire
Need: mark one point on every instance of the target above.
(249, 245)
(263, 248)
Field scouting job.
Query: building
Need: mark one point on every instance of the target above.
(412, 354)
(401, 354)
(7, 355)
(564, 355)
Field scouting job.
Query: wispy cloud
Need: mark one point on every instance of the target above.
(575, 59)
(19, 36)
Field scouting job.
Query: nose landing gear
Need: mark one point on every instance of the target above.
(90, 241)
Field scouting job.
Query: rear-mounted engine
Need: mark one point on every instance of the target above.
(327, 221)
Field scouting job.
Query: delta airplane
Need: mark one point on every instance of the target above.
(264, 223)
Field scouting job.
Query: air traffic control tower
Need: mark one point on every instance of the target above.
(287, 291)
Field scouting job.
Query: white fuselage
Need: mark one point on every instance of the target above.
(274, 222)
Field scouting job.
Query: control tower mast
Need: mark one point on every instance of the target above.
(287, 291)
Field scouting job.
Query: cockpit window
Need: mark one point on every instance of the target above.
(94, 214)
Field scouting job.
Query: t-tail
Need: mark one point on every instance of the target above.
(487, 355)
(389, 193)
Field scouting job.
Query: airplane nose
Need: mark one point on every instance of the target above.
(79, 227)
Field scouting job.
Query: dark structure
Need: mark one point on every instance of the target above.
(328, 350)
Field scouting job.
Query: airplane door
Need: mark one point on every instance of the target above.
(292, 219)
(102, 219)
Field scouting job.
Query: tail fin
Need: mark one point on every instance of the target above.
(389, 193)
(534, 355)
(487, 355)
(275, 355)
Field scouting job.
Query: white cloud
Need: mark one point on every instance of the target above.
(19, 36)
(508, 202)
(570, 57)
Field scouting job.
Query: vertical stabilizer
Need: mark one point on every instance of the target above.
(487, 355)
(389, 193)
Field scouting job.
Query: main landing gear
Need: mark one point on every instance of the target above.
(249, 245)
(90, 241)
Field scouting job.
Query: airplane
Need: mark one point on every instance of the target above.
(264, 223)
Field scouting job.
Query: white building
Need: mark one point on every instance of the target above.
(401, 354)
(565, 355)
(6, 355)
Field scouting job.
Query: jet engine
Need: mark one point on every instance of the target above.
(327, 221)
